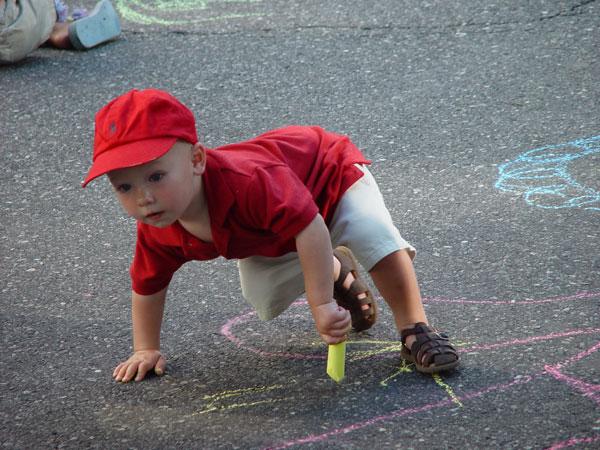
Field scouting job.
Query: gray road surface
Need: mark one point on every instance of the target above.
(446, 98)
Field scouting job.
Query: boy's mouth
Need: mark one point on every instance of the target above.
(154, 216)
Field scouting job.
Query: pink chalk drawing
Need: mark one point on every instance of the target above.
(589, 390)
(574, 441)
(555, 371)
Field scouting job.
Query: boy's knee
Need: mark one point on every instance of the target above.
(400, 257)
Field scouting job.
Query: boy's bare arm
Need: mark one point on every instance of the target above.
(316, 257)
(146, 314)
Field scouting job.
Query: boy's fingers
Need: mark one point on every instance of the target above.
(142, 369)
(337, 332)
(347, 322)
(327, 339)
(343, 317)
(130, 372)
(117, 369)
(333, 340)
(343, 324)
(121, 372)
(340, 312)
(159, 369)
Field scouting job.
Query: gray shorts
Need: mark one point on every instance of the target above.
(361, 222)
(24, 26)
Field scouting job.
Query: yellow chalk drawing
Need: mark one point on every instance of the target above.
(404, 368)
(385, 347)
(391, 346)
(380, 347)
(175, 12)
(215, 399)
(357, 355)
(253, 396)
(438, 379)
(407, 368)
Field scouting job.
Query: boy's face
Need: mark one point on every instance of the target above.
(162, 191)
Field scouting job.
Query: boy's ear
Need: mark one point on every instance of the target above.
(198, 158)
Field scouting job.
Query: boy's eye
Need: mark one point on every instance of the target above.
(122, 188)
(156, 176)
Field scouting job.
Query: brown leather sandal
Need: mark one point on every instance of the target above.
(362, 319)
(431, 352)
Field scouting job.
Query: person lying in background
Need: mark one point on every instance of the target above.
(26, 25)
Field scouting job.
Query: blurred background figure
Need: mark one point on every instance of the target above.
(25, 25)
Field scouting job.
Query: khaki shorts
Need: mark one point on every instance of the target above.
(24, 26)
(361, 222)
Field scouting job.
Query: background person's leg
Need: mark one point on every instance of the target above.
(24, 26)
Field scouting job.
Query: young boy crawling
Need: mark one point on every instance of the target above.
(277, 203)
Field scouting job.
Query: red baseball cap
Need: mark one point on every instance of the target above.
(138, 127)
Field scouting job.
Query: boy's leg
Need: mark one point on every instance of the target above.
(377, 244)
(270, 285)
(396, 281)
(379, 247)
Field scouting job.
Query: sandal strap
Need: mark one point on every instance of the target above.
(430, 346)
(418, 328)
(429, 351)
(344, 272)
(358, 287)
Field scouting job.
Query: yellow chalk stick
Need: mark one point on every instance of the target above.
(336, 361)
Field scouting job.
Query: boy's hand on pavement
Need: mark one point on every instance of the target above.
(139, 364)
(332, 321)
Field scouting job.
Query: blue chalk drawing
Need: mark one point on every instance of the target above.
(542, 175)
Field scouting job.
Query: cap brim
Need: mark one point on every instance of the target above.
(129, 155)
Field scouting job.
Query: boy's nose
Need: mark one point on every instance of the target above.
(144, 197)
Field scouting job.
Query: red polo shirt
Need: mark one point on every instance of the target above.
(260, 194)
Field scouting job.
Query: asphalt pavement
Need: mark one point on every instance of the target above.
(482, 122)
